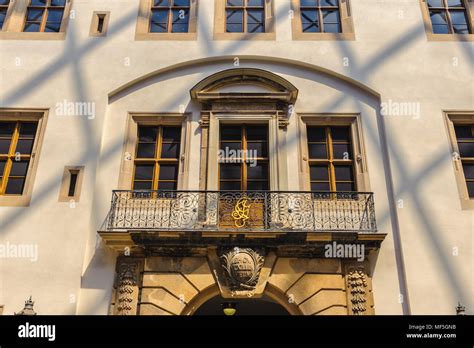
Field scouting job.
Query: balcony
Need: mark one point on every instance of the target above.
(240, 211)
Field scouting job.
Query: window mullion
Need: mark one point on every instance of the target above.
(331, 159)
(159, 145)
(170, 19)
(11, 158)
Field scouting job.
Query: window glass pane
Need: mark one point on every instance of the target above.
(181, 16)
(146, 150)
(329, 2)
(157, 3)
(230, 185)
(227, 147)
(257, 133)
(308, 2)
(2, 166)
(159, 16)
(260, 171)
(470, 188)
(168, 172)
(38, 2)
(438, 17)
(455, 3)
(257, 185)
(468, 169)
(19, 168)
(440, 29)
(466, 149)
(255, 3)
(235, 2)
(4, 2)
(6, 129)
(3, 14)
(331, 16)
(344, 173)
(462, 132)
(255, 16)
(142, 185)
(257, 149)
(55, 15)
(184, 3)
(158, 28)
(332, 28)
(340, 134)
(4, 146)
(316, 134)
(458, 17)
(171, 134)
(255, 28)
(34, 14)
(317, 151)
(345, 186)
(28, 130)
(231, 133)
(58, 2)
(320, 186)
(52, 27)
(461, 29)
(342, 151)
(230, 171)
(179, 28)
(144, 171)
(435, 3)
(24, 146)
(319, 173)
(167, 185)
(32, 27)
(309, 16)
(170, 150)
(15, 186)
(147, 134)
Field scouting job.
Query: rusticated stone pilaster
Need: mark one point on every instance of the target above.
(128, 283)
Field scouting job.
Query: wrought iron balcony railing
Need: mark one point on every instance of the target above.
(269, 211)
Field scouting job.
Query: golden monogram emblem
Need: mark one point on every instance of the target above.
(241, 212)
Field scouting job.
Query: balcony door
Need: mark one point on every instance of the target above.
(243, 175)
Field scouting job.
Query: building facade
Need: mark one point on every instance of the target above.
(307, 157)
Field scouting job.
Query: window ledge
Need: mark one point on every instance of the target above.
(15, 201)
(10, 35)
(449, 37)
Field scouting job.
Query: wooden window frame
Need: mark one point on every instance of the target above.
(157, 161)
(346, 22)
(142, 32)
(360, 167)
(44, 19)
(245, 8)
(127, 168)
(453, 118)
(16, 19)
(469, 8)
(26, 115)
(243, 164)
(330, 161)
(7, 12)
(220, 32)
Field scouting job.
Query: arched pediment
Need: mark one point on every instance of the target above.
(266, 85)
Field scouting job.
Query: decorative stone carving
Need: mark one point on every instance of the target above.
(242, 268)
(28, 309)
(127, 289)
(357, 288)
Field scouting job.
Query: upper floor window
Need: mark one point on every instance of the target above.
(16, 146)
(245, 16)
(465, 142)
(44, 16)
(3, 11)
(449, 16)
(170, 16)
(320, 16)
(157, 158)
(330, 159)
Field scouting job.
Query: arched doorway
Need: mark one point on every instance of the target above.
(261, 306)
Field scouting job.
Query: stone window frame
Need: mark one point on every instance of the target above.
(469, 4)
(66, 181)
(142, 32)
(452, 118)
(95, 23)
(36, 115)
(15, 20)
(127, 166)
(354, 121)
(347, 24)
(220, 24)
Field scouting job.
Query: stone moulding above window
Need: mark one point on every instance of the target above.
(347, 26)
(454, 118)
(220, 24)
(358, 148)
(431, 36)
(143, 24)
(26, 115)
(15, 23)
